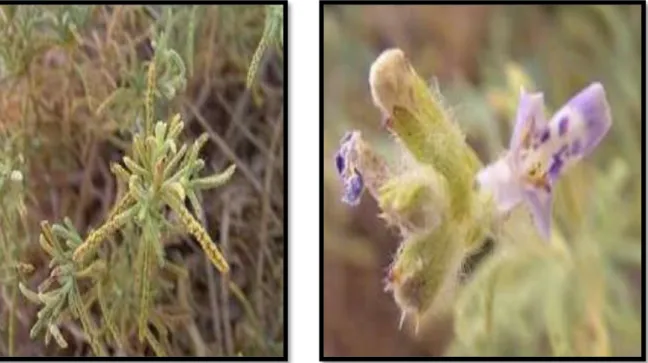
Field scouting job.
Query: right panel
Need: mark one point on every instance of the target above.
(481, 195)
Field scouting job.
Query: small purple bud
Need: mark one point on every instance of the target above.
(345, 164)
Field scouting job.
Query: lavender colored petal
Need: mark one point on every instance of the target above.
(539, 202)
(353, 187)
(497, 178)
(592, 107)
(529, 118)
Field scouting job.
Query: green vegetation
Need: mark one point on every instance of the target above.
(120, 274)
(508, 292)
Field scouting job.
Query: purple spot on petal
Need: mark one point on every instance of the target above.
(544, 135)
(339, 163)
(563, 126)
(556, 167)
(346, 137)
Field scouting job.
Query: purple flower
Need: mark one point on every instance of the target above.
(345, 164)
(353, 187)
(541, 151)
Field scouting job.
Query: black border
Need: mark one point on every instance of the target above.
(321, 186)
(324, 358)
(286, 95)
(286, 216)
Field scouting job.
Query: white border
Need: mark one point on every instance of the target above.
(304, 180)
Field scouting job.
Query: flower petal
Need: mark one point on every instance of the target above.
(529, 119)
(539, 203)
(541, 151)
(498, 179)
(583, 121)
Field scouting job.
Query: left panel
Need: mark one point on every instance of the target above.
(143, 181)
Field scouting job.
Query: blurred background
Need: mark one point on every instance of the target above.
(71, 96)
(478, 57)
